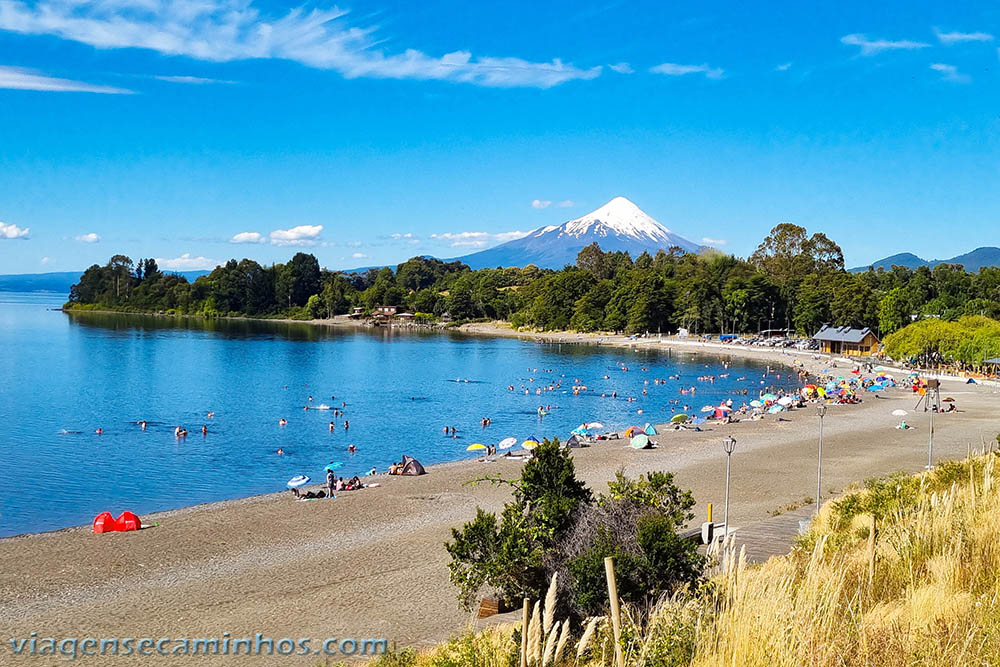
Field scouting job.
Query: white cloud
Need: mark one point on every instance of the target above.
(673, 69)
(12, 231)
(951, 73)
(621, 68)
(196, 80)
(46, 260)
(476, 239)
(227, 30)
(708, 241)
(19, 78)
(248, 237)
(568, 203)
(301, 235)
(407, 235)
(871, 47)
(186, 263)
(783, 67)
(540, 204)
(88, 238)
(956, 37)
(358, 255)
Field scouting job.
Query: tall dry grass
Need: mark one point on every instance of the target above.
(924, 591)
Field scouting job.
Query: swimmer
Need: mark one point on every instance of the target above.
(99, 431)
(347, 424)
(142, 425)
(331, 427)
(282, 422)
(210, 415)
(204, 429)
(352, 449)
(280, 452)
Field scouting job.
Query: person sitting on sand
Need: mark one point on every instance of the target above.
(340, 484)
(372, 473)
(356, 482)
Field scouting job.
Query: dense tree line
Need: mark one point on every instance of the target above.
(793, 280)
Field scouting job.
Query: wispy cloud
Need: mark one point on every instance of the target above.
(476, 239)
(301, 235)
(708, 241)
(783, 67)
(871, 47)
(186, 263)
(227, 30)
(951, 73)
(46, 260)
(20, 78)
(621, 68)
(11, 231)
(358, 255)
(540, 203)
(674, 69)
(195, 80)
(956, 37)
(88, 238)
(248, 237)
(566, 203)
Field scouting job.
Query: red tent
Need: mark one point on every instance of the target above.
(105, 523)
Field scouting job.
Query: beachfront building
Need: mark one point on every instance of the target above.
(847, 340)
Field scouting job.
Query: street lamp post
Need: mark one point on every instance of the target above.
(821, 411)
(729, 445)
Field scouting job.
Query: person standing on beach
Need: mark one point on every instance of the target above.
(331, 481)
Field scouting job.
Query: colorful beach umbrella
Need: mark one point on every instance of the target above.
(676, 419)
(507, 443)
(475, 447)
(333, 465)
(297, 481)
(776, 408)
(640, 441)
(756, 404)
(529, 444)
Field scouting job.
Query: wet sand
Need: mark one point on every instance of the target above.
(371, 563)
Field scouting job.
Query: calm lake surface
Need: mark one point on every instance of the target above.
(62, 376)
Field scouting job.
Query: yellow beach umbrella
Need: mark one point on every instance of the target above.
(529, 444)
(475, 447)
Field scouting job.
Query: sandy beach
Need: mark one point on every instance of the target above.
(371, 564)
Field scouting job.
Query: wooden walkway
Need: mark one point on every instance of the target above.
(773, 536)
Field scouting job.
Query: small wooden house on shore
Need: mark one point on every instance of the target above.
(848, 341)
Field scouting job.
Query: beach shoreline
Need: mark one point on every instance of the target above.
(371, 563)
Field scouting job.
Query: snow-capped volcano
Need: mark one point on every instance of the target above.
(616, 226)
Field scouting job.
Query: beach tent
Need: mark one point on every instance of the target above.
(632, 430)
(105, 523)
(573, 442)
(411, 466)
(641, 441)
(971, 381)
(649, 430)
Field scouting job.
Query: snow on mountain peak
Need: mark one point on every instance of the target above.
(618, 216)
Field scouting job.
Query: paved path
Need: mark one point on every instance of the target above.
(773, 536)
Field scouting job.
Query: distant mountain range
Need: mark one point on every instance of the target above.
(618, 225)
(972, 261)
(58, 281)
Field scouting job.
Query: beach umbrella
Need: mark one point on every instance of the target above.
(776, 408)
(677, 419)
(708, 408)
(333, 465)
(580, 430)
(769, 398)
(507, 443)
(899, 413)
(785, 400)
(529, 444)
(756, 404)
(297, 481)
(475, 447)
(948, 400)
(595, 425)
(640, 441)
(876, 387)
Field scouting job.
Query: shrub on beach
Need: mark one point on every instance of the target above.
(555, 525)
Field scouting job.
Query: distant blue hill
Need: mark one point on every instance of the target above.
(59, 281)
(971, 261)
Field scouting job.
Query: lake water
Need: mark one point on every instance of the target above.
(62, 376)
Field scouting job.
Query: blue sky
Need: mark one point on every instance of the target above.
(371, 131)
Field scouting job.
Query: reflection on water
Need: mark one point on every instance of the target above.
(64, 375)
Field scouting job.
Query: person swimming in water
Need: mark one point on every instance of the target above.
(282, 422)
(347, 424)
(99, 431)
(351, 448)
(280, 452)
(204, 430)
(331, 427)
(210, 415)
